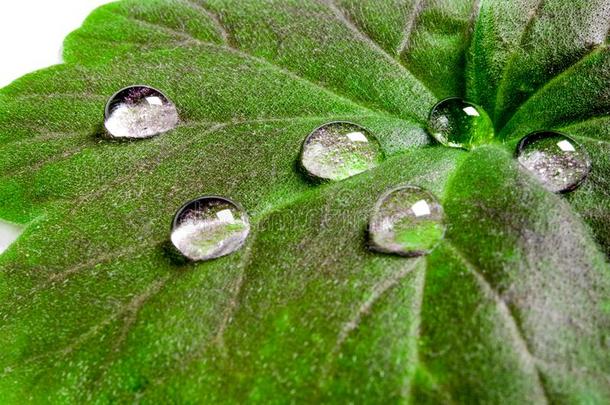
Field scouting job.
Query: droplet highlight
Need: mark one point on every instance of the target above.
(139, 112)
(407, 221)
(209, 228)
(558, 161)
(340, 150)
(457, 123)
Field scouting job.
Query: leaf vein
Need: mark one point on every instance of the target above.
(505, 310)
(236, 291)
(409, 27)
(133, 307)
(378, 291)
(534, 14)
(552, 81)
(274, 66)
(202, 7)
(342, 17)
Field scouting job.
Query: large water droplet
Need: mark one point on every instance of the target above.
(460, 124)
(139, 112)
(340, 150)
(558, 161)
(209, 227)
(408, 221)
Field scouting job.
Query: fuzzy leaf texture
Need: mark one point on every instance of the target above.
(513, 306)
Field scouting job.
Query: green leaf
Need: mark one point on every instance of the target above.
(512, 307)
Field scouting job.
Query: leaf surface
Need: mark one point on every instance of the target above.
(512, 306)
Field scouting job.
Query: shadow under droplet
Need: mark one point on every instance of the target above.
(173, 255)
(100, 132)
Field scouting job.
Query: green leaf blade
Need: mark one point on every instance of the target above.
(511, 307)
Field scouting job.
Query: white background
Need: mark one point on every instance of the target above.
(31, 36)
(32, 31)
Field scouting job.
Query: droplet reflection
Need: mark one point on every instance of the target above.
(407, 221)
(139, 112)
(457, 123)
(340, 150)
(559, 162)
(209, 227)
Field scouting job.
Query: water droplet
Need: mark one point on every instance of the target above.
(139, 112)
(209, 227)
(559, 162)
(340, 150)
(460, 124)
(408, 221)
(9, 233)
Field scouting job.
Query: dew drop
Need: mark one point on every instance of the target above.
(139, 112)
(559, 162)
(339, 150)
(9, 233)
(408, 221)
(457, 123)
(209, 227)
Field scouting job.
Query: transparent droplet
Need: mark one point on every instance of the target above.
(559, 162)
(460, 124)
(340, 150)
(209, 227)
(408, 221)
(139, 112)
(9, 233)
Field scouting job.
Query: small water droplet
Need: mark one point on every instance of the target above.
(559, 162)
(139, 112)
(209, 227)
(339, 150)
(408, 221)
(457, 123)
